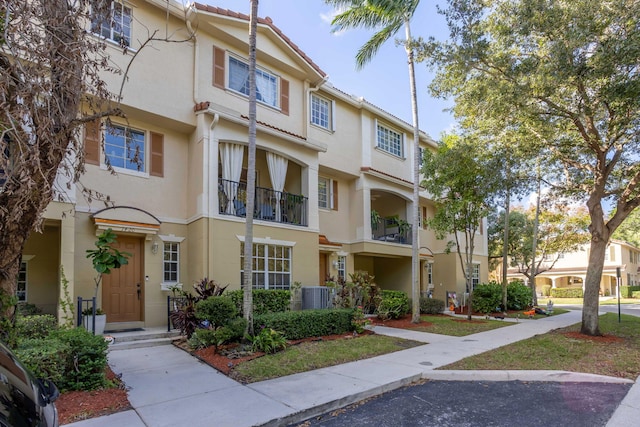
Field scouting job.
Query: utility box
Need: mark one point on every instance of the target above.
(314, 297)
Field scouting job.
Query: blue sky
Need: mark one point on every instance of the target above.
(385, 80)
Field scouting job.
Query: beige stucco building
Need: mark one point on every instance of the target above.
(325, 160)
(569, 270)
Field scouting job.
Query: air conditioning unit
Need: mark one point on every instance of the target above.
(316, 297)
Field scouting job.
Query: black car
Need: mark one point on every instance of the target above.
(24, 400)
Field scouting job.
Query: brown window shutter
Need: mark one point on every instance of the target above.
(218, 67)
(92, 142)
(284, 96)
(157, 154)
(335, 195)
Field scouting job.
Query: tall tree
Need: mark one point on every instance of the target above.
(463, 183)
(386, 18)
(567, 72)
(247, 279)
(629, 230)
(51, 84)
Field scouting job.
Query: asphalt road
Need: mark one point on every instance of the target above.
(480, 404)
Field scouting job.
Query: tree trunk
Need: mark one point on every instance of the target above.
(415, 231)
(247, 282)
(505, 247)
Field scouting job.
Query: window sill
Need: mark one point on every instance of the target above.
(395, 156)
(125, 171)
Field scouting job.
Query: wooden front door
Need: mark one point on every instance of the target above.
(323, 269)
(122, 289)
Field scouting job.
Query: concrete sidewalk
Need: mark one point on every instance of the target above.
(168, 387)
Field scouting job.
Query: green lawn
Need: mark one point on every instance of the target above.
(542, 302)
(318, 354)
(458, 326)
(617, 355)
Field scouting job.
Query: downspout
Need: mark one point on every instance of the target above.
(196, 56)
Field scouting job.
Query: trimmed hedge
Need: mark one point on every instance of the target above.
(431, 306)
(264, 300)
(73, 359)
(546, 290)
(567, 293)
(487, 297)
(519, 296)
(218, 311)
(393, 304)
(635, 294)
(627, 291)
(306, 323)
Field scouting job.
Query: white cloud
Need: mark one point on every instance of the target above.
(328, 18)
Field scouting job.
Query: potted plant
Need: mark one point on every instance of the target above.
(375, 219)
(88, 319)
(104, 259)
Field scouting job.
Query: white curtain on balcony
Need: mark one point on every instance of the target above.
(278, 174)
(231, 158)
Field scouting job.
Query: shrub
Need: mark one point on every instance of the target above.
(546, 290)
(566, 293)
(268, 340)
(206, 288)
(306, 323)
(46, 358)
(635, 294)
(360, 291)
(431, 305)
(35, 326)
(85, 367)
(27, 309)
(393, 304)
(627, 291)
(264, 300)
(487, 297)
(519, 296)
(218, 311)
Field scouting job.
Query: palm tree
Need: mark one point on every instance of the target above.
(247, 282)
(386, 18)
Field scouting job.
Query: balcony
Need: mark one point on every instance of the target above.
(391, 229)
(270, 205)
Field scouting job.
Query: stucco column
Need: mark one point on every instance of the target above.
(67, 268)
(553, 282)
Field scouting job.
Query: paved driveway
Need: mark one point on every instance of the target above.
(479, 403)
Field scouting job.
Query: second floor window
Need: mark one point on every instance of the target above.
(266, 83)
(327, 193)
(321, 112)
(389, 140)
(125, 148)
(113, 23)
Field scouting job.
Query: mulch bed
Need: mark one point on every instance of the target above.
(80, 405)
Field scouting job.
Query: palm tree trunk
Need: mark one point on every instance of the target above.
(247, 282)
(415, 231)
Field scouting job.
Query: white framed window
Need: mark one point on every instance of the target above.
(325, 193)
(322, 112)
(171, 262)
(125, 148)
(22, 281)
(429, 267)
(113, 23)
(342, 267)
(389, 140)
(475, 275)
(271, 266)
(266, 83)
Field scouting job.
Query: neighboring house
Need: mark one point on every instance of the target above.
(570, 270)
(325, 161)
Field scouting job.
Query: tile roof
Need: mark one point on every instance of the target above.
(264, 21)
(295, 135)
